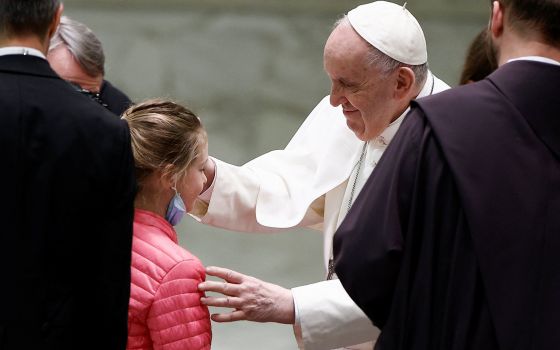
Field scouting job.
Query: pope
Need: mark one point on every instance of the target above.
(376, 59)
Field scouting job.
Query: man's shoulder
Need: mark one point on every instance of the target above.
(54, 102)
(459, 105)
(454, 95)
(37, 86)
(66, 102)
(25, 66)
(116, 99)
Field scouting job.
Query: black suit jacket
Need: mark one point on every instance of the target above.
(66, 214)
(116, 100)
(454, 241)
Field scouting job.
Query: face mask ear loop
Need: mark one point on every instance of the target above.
(175, 208)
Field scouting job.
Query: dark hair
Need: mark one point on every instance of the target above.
(22, 17)
(480, 60)
(542, 16)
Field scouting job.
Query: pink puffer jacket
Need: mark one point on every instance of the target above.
(164, 310)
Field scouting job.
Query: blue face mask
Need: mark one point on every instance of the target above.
(175, 209)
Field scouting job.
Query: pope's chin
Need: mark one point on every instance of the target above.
(357, 128)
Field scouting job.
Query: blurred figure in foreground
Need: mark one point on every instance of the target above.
(76, 54)
(67, 201)
(453, 242)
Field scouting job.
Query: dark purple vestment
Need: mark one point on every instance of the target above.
(454, 241)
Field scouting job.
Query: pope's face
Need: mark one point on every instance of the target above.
(364, 94)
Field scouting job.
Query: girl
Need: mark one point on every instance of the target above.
(170, 149)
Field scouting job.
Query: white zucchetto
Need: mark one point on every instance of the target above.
(391, 29)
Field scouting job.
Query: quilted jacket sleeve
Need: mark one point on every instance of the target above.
(176, 319)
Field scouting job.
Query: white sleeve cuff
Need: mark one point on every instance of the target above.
(297, 327)
(329, 318)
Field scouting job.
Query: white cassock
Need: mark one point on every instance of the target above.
(307, 184)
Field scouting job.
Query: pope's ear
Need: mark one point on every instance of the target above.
(405, 82)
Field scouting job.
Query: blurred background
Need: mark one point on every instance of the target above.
(252, 70)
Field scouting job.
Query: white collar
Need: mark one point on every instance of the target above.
(536, 59)
(428, 87)
(21, 50)
(387, 135)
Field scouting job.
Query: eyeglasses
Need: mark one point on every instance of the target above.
(93, 95)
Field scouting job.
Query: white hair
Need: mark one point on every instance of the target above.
(82, 44)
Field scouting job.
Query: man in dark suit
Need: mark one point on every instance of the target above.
(454, 242)
(76, 54)
(67, 198)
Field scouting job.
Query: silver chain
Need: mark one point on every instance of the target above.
(330, 273)
(359, 165)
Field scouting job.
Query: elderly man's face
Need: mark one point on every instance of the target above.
(68, 68)
(365, 95)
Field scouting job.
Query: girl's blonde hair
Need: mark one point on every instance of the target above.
(165, 136)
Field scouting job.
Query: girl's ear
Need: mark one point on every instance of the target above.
(166, 176)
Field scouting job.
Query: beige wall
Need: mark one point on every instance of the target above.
(458, 8)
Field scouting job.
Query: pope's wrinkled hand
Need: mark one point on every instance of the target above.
(251, 298)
